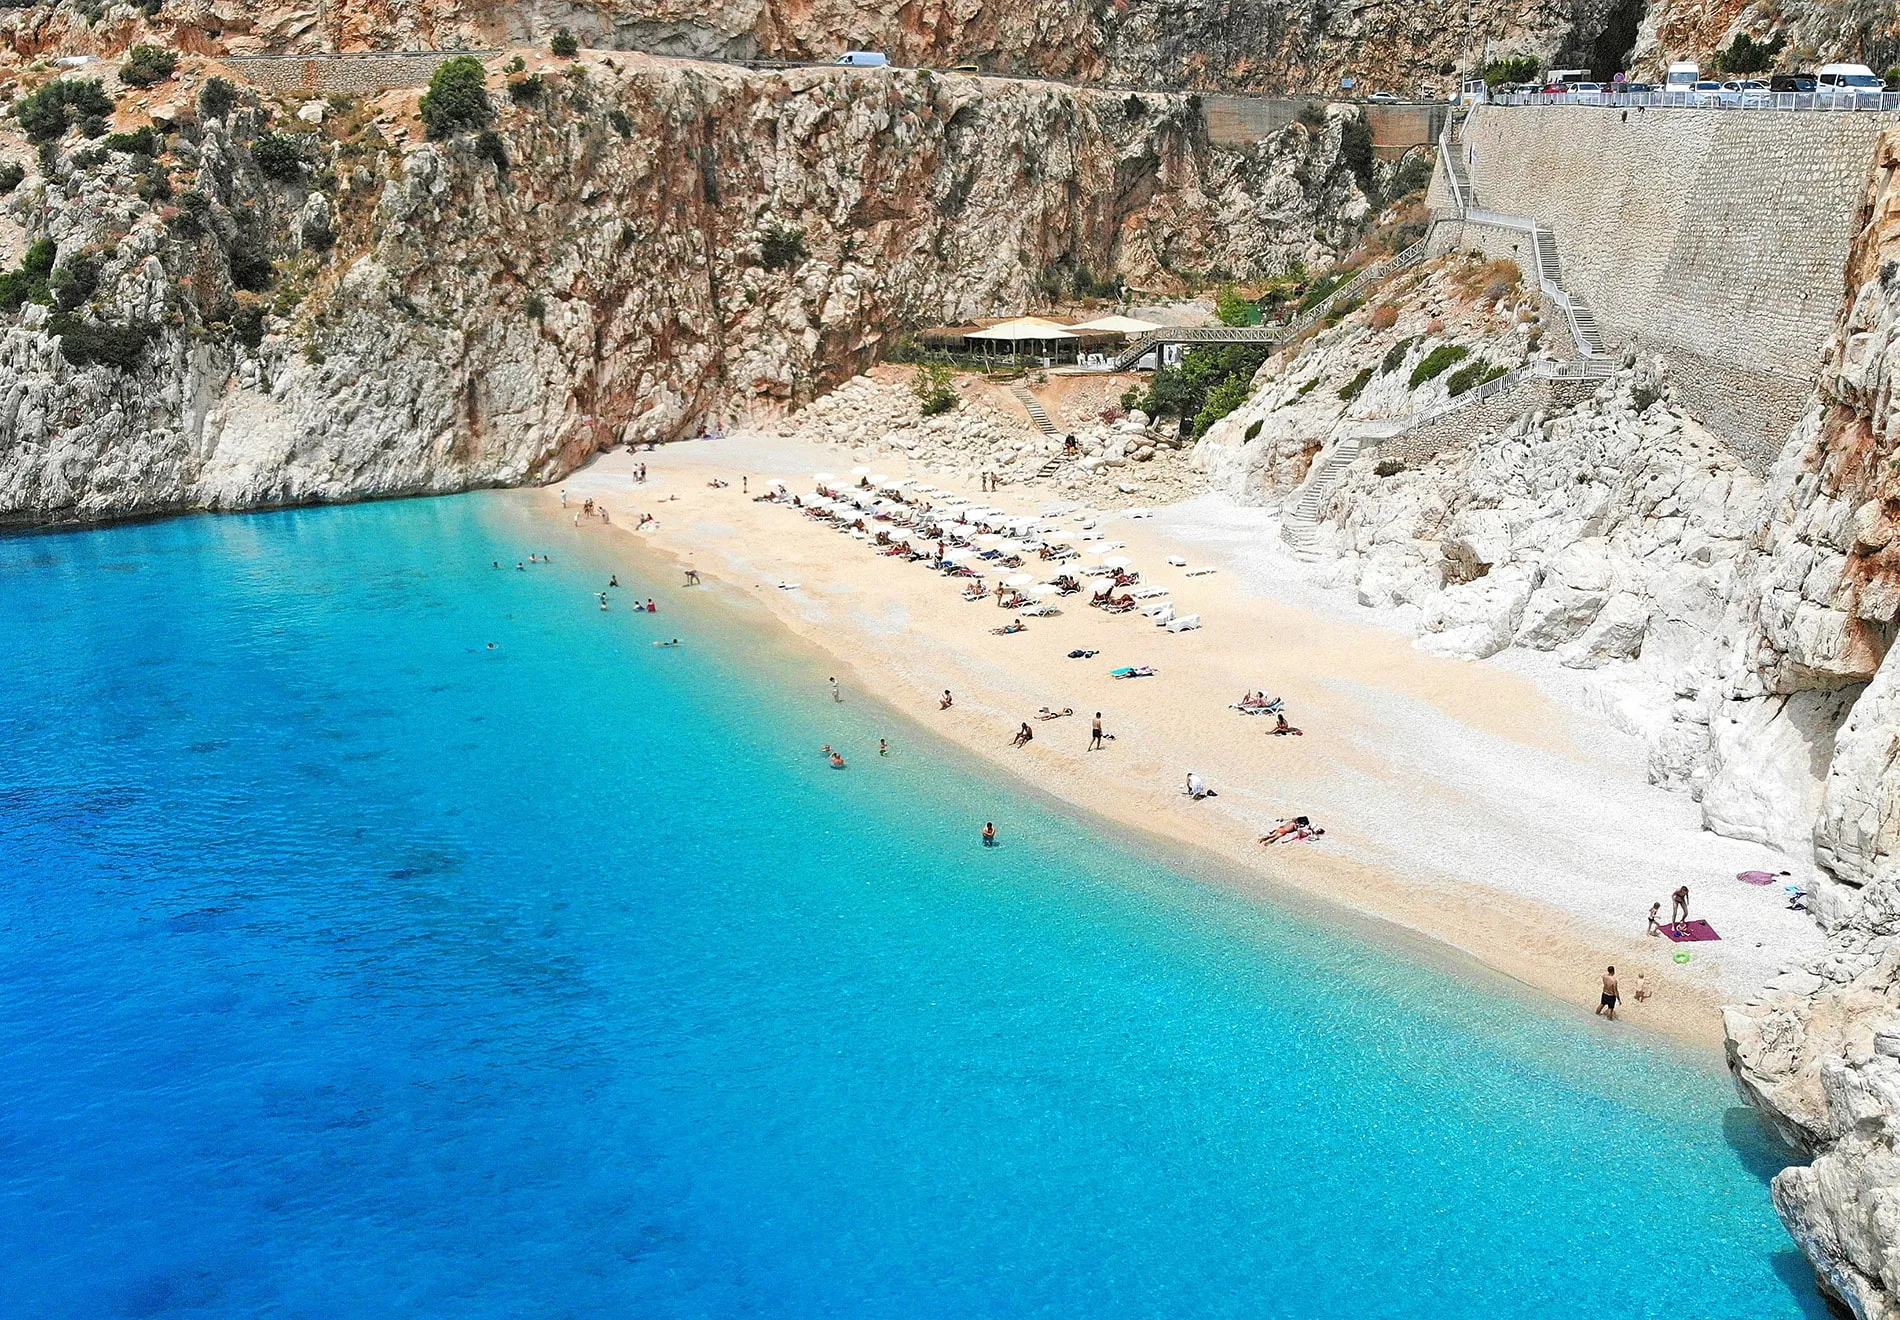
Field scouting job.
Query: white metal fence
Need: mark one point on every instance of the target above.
(1711, 100)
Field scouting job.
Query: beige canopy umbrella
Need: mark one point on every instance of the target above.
(1118, 325)
(1026, 327)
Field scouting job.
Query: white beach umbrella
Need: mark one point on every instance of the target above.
(988, 540)
(958, 556)
(879, 479)
(1117, 561)
(1009, 547)
(860, 471)
(824, 477)
(1101, 588)
(1018, 580)
(1043, 589)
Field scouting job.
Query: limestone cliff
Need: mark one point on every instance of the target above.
(1276, 45)
(342, 308)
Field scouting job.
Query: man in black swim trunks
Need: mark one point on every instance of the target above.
(1607, 1008)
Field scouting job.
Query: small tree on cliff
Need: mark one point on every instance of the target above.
(1746, 55)
(457, 99)
(564, 45)
(934, 388)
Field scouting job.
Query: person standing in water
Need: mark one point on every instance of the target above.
(989, 834)
(835, 694)
(883, 748)
(1607, 1006)
(1095, 734)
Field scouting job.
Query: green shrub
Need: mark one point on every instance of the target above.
(1307, 388)
(489, 146)
(1253, 428)
(1184, 391)
(1322, 288)
(143, 142)
(1414, 175)
(1313, 115)
(1395, 356)
(84, 343)
(12, 175)
(279, 156)
(1387, 467)
(1232, 309)
(933, 385)
(1470, 376)
(1353, 388)
(29, 282)
(147, 65)
(1355, 150)
(46, 114)
(781, 247)
(534, 307)
(74, 283)
(1512, 69)
(457, 99)
(217, 98)
(622, 124)
(1746, 55)
(1438, 361)
(524, 90)
(564, 45)
(1221, 400)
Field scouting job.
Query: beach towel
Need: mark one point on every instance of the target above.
(1757, 877)
(1688, 932)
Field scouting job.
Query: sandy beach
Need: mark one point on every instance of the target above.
(1461, 800)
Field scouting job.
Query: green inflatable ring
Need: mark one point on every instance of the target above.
(1682, 955)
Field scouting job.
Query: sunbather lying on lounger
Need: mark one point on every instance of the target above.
(975, 591)
(1015, 601)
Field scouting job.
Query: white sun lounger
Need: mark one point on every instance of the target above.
(1177, 561)
(1159, 613)
(1039, 611)
(1149, 593)
(1186, 623)
(1199, 572)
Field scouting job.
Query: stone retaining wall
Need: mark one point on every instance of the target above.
(1720, 232)
(347, 74)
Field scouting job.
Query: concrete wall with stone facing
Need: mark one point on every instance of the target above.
(349, 74)
(1479, 421)
(1724, 233)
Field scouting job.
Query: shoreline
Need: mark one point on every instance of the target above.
(1409, 761)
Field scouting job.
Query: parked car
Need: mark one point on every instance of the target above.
(1706, 92)
(1636, 89)
(1744, 92)
(1383, 98)
(1585, 93)
(864, 59)
(1791, 82)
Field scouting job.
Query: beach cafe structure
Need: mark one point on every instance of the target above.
(1035, 339)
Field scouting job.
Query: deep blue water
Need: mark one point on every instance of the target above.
(350, 968)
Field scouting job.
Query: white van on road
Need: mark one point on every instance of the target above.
(1841, 81)
(864, 59)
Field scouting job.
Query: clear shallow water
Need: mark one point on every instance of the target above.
(348, 968)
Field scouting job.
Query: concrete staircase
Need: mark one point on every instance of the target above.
(1299, 523)
(1037, 413)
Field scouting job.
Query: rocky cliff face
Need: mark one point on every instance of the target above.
(342, 309)
(1301, 46)
(1743, 625)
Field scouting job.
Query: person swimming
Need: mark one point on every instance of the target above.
(837, 761)
(674, 642)
(613, 579)
(883, 748)
(989, 834)
(651, 607)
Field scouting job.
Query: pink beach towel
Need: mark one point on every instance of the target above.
(1688, 932)
(1756, 877)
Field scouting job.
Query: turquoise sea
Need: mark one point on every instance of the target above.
(349, 968)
